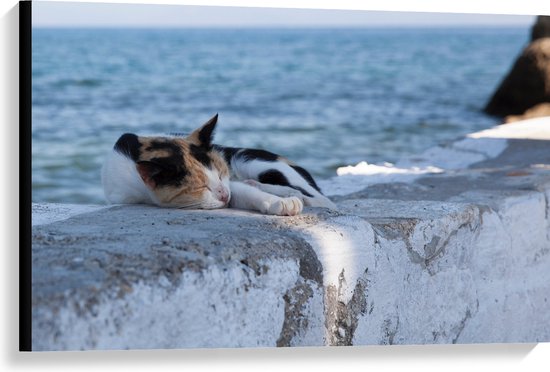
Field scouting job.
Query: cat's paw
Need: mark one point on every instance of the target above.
(285, 207)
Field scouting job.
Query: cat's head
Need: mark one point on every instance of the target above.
(180, 172)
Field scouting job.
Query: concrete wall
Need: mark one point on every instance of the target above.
(451, 246)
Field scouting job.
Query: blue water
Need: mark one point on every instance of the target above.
(323, 98)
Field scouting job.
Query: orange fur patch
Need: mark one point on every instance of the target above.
(193, 185)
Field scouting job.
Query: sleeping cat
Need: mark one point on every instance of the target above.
(191, 172)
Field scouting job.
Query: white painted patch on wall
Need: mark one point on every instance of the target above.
(355, 178)
(537, 128)
(345, 247)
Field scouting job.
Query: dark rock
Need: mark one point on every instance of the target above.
(541, 28)
(527, 84)
(540, 110)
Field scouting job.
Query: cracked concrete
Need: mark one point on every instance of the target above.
(342, 318)
(461, 256)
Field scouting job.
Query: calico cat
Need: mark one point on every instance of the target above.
(191, 172)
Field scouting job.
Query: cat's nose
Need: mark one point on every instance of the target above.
(222, 194)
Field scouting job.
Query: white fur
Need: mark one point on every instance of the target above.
(251, 170)
(122, 183)
(244, 196)
(217, 186)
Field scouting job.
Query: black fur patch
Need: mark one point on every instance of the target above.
(165, 145)
(169, 170)
(201, 155)
(246, 154)
(129, 145)
(227, 152)
(207, 132)
(273, 177)
(305, 174)
(256, 154)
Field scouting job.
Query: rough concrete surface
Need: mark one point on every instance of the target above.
(457, 256)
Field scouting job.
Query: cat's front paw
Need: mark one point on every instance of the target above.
(285, 207)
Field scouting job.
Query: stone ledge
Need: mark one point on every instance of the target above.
(459, 256)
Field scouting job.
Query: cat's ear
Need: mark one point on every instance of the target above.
(129, 145)
(150, 172)
(203, 136)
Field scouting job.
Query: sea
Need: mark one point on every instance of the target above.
(324, 98)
